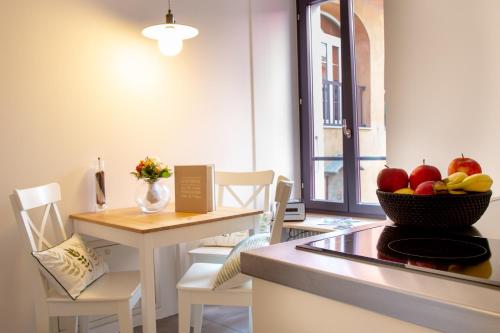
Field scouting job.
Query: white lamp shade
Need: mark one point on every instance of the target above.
(159, 31)
(170, 45)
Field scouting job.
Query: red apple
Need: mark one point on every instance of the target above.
(464, 164)
(425, 188)
(423, 173)
(392, 179)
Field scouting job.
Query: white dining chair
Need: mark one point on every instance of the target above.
(195, 288)
(112, 293)
(257, 183)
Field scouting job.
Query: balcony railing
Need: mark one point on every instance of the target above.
(341, 158)
(332, 103)
(332, 109)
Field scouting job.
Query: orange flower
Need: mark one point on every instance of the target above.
(139, 167)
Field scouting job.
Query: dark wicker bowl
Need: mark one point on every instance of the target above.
(434, 211)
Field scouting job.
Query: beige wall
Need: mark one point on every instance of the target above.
(79, 81)
(275, 71)
(442, 82)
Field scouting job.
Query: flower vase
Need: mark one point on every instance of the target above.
(151, 196)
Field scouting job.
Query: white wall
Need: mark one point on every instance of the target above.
(275, 71)
(79, 81)
(442, 82)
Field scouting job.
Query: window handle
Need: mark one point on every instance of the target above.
(347, 131)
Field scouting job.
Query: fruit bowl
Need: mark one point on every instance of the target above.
(434, 211)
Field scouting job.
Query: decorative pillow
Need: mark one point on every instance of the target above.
(71, 265)
(232, 239)
(230, 275)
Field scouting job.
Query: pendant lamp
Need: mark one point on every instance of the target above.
(170, 35)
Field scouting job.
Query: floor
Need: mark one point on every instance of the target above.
(216, 319)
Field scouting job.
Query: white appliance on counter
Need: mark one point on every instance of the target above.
(295, 211)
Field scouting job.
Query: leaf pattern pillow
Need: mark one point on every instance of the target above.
(71, 265)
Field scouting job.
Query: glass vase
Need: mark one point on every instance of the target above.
(151, 196)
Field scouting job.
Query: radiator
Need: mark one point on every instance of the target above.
(291, 234)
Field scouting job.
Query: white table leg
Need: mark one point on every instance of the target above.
(146, 258)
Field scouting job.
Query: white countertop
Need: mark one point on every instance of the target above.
(404, 294)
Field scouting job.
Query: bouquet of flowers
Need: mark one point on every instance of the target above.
(150, 169)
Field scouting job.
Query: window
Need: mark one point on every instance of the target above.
(341, 57)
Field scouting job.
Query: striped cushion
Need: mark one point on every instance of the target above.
(230, 275)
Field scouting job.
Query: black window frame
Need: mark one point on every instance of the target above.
(350, 205)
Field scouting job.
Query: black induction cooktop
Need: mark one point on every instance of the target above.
(461, 255)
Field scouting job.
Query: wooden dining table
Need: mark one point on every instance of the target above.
(147, 232)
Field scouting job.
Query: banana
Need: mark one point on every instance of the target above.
(457, 192)
(455, 178)
(440, 186)
(405, 191)
(478, 182)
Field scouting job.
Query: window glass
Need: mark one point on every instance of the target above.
(370, 108)
(341, 50)
(327, 100)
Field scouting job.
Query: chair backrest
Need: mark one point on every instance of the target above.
(256, 181)
(30, 198)
(280, 178)
(283, 191)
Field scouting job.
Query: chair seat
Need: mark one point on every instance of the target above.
(113, 286)
(214, 250)
(201, 277)
(210, 254)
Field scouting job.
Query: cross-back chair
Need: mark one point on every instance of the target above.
(231, 183)
(258, 182)
(195, 288)
(112, 293)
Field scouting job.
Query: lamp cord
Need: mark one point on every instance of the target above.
(169, 17)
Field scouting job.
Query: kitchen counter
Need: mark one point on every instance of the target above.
(398, 296)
